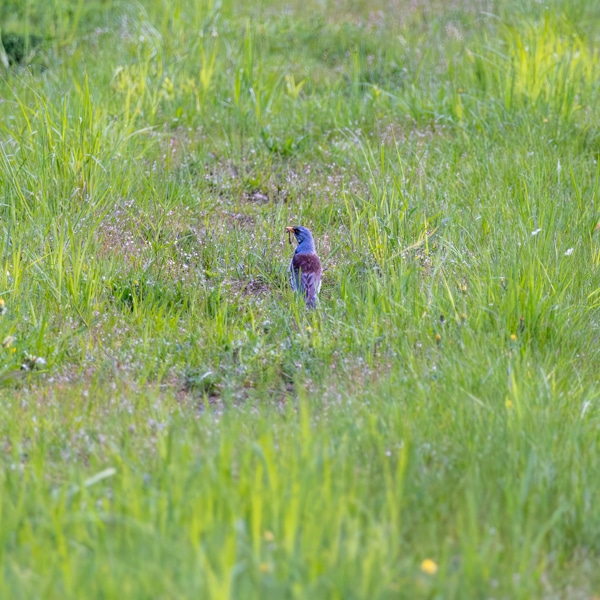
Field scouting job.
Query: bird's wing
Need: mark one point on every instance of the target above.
(294, 276)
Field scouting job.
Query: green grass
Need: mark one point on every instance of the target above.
(175, 424)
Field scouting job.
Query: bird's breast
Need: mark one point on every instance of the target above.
(307, 263)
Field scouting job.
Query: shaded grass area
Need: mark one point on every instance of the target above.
(191, 428)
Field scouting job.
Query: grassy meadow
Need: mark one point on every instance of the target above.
(175, 424)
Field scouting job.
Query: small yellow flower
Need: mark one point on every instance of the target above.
(513, 337)
(309, 329)
(269, 537)
(2, 306)
(429, 567)
(264, 568)
(508, 403)
(463, 316)
(438, 338)
(7, 342)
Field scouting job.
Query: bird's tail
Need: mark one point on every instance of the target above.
(311, 302)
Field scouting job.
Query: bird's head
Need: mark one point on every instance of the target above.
(303, 237)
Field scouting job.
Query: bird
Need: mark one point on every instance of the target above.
(305, 266)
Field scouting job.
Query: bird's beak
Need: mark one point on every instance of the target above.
(289, 229)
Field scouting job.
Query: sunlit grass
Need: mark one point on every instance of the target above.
(174, 423)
